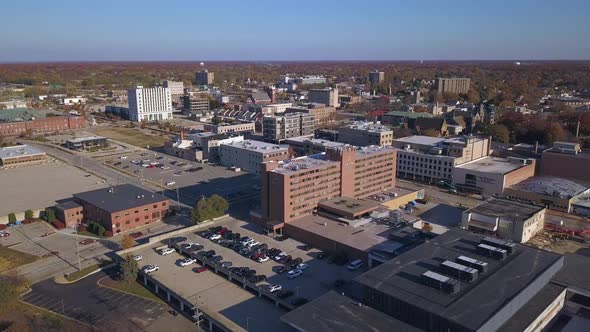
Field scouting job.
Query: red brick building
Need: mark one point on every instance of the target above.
(44, 125)
(70, 213)
(123, 208)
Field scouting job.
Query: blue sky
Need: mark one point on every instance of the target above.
(186, 30)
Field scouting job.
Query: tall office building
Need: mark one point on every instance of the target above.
(293, 188)
(376, 77)
(176, 88)
(453, 85)
(195, 105)
(327, 96)
(204, 77)
(277, 128)
(150, 104)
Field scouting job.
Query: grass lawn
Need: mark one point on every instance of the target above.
(9, 259)
(134, 288)
(79, 274)
(131, 136)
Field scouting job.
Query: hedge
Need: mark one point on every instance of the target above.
(58, 224)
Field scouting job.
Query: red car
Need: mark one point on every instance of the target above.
(222, 231)
(151, 166)
(200, 269)
(136, 235)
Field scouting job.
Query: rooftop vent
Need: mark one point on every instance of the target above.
(462, 272)
(440, 282)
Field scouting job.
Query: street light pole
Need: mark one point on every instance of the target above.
(247, 324)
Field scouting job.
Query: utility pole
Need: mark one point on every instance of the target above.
(78, 248)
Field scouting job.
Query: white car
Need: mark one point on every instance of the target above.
(135, 162)
(123, 157)
(279, 256)
(170, 183)
(145, 165)
(262, 259)
(145, 160)
(247, 241)
(164, 167)
(154, 163)
(166, 251)
(294, 274)
(187, 261)
(137, 258)
(215, 237)
(301, 266)
(274, 288)
(252, 244)
(150, 268)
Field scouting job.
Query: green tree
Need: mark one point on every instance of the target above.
(499, 133)
(50, 215)
(209, 208)
(28, 214)
(128, 269)
(11, 218)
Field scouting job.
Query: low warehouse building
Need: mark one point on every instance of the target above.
(21, 155)
(507, 219)
(554, 193)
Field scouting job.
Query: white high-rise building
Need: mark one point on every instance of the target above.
(149, 104)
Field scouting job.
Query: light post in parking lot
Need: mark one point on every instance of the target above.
(247, 324)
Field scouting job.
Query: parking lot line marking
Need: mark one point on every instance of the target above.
(118, 296)
(134, 300)
(30, 296)
(44, 301)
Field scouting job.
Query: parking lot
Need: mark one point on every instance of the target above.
(58, 251)
(102, 308)
(217, 294)
(190, 181)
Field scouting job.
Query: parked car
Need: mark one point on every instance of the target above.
(285, 259)
(187, 262)
(166, 251)
(274, 288)
(200, 269)
(215, 237)
(301, 266)
(262, 259)
(150, 268)
(354, 265)
(170, 183)
(294, 274)
(421, 201)
(226, 264)
(216, 259)
(284, 294)
(256, 278)
(4, 234)
(137, 258)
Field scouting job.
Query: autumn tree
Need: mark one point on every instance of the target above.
(499, 132)
(554, 133)
(127, 242)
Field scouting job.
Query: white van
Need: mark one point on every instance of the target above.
(356, 264)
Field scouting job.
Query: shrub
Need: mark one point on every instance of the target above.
(3, 227)
(50, 215)
(81, 228)
(29, 214)
(107, 233)
(11, 219)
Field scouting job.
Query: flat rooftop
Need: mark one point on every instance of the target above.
(257, 146)
(364, 237)
(491, 165)
(19, 151)
(335, 312)
(119, 198)
(475, 302)
(506, 209)
(422, 140)
(365, 151)
(315, 141)
(550, 186)
(85, 139)
(349, 205)
(368, 126)
(24, 114)
(307, 162)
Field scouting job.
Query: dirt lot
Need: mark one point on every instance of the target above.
(133, 136)
(10, 259)
(558, 244)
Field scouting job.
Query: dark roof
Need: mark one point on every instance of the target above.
(574, 274)
(119, 198)
(506, 209)
(66, 205)
(335, 312)
(260, 96)
(429, 123)
(533, 308)
(475, 302)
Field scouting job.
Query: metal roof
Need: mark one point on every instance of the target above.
(550, 186)
(19, 151)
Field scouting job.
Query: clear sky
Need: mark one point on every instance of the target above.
(187, 30)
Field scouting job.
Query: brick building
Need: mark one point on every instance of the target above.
(70, 213)
(21, 154)
(40, 126)
(293, 188)
(122, 208)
